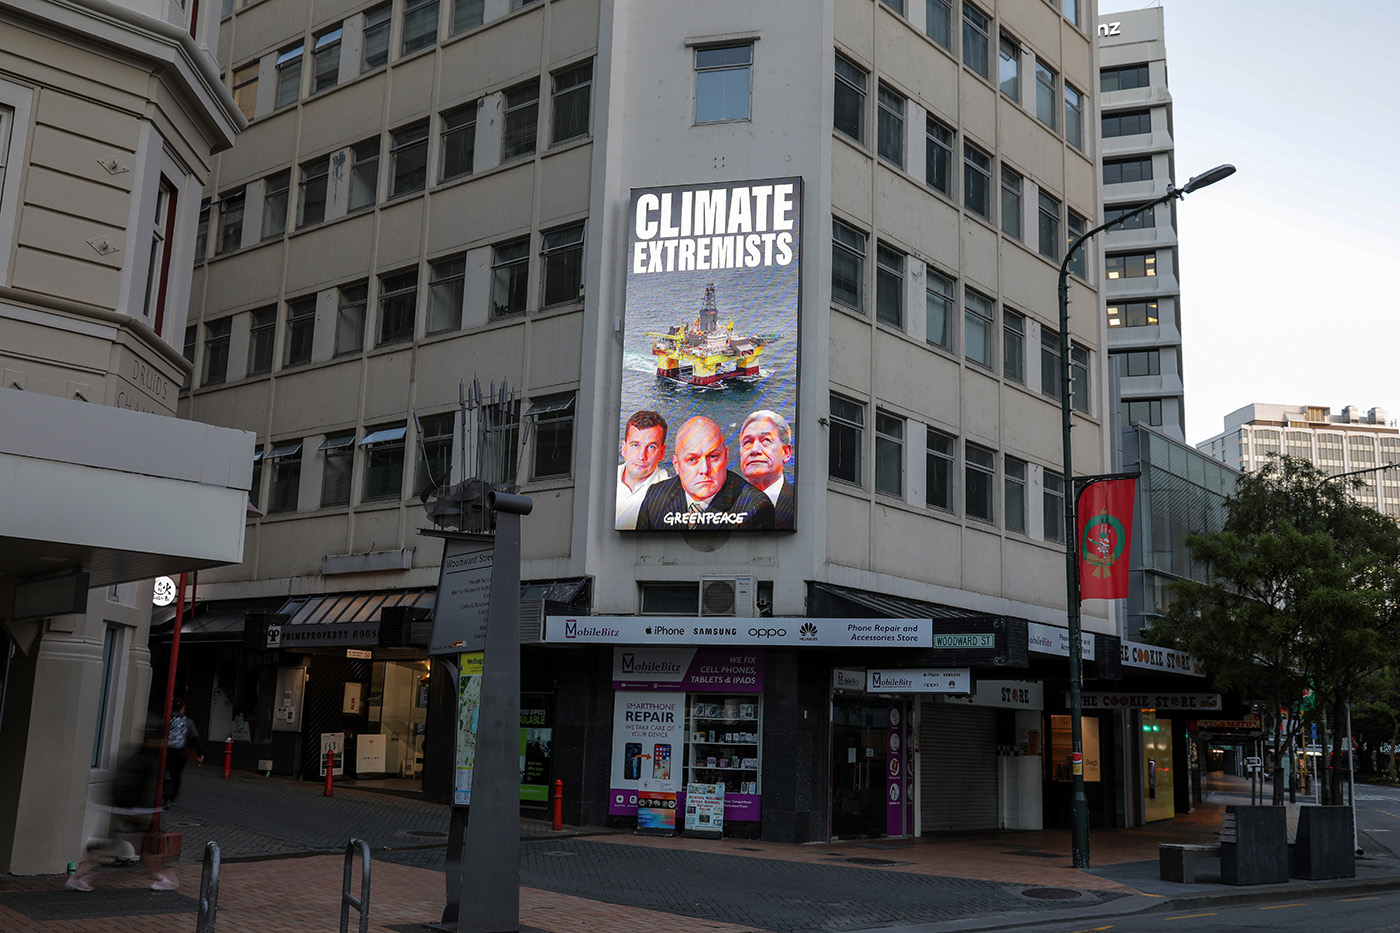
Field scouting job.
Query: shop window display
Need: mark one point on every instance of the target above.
(724, 741)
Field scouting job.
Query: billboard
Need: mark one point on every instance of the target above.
(709, 358)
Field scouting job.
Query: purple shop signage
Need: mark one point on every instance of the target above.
(694, 670)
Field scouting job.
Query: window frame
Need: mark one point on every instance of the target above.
(889, 453)
(844, 238)
(1046, 105)
(889, 124)
(855, 93)
(300, 330)
(889, 285)
(848, 423)
(408, 159)
(467, 14)
(398, 306)
(287, 75)
(940, 469)
(520, 120)
(447, 283)
(939, 13)
(1126, 264)
(325, 49)
(435, 447)
(1137, 313)
(978, 320)
(277, 198)
(947, 296)
(245, 87)
(511, 270)
(1014, 497)
(374, 51)
(1048, 226)
(351, 308)
(314, 175)
(286, 477)
(385, 447)
(1074, 115)
(232, 209)
(1012, 185)
(337, 463)
(976, 35)
(1013, 345)
(1052, 506)
(705, 72)
(410, 42)
(977, 180)
(1115, 125)
(262, 340)
(1009, 66)
(977, 470)
(552, 418)
(563, 103)
(218, 336)
(459, 130)
(561, 264)
(1051, 361)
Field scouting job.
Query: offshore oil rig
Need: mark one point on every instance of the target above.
(705, 353)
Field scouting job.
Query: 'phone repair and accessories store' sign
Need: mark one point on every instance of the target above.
(1161, 702)
(787, 632)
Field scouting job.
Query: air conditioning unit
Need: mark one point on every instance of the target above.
(728, 596)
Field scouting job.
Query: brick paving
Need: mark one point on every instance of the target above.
(282, 842)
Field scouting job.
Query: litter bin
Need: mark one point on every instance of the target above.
(1325, 846)
(1254, 845)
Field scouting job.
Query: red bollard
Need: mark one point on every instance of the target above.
(228, 756)
(330, 772)
(558, 823)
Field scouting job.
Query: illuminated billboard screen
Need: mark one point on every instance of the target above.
(709, 358)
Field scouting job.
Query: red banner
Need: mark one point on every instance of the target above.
(1105, 524)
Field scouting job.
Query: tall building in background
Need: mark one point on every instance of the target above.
(109, 114)
(1354, 439)
(1141, 287)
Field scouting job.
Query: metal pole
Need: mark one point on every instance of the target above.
(1351, 783)
(169, 700)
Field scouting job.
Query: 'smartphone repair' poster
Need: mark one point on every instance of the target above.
(648, 741)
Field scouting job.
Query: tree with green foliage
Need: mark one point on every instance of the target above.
(1303, 588)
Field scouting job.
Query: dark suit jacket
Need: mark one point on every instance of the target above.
(736, 497)
(786, 506)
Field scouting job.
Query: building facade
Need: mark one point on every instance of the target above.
(432, 193)
(1141, 260)
(109, 115)
(1354, 439)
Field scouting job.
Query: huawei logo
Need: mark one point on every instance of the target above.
(808, 631)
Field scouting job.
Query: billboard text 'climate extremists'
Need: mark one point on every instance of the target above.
(709, 358)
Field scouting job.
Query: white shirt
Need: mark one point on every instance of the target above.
(772, 491)
(629, 501)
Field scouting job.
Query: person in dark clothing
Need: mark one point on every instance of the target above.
(183, 737)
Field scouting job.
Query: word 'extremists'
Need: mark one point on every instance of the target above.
(715, 228)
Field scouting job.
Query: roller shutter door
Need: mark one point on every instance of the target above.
(958, 780)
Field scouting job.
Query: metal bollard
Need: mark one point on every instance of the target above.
(347, 900)
(228, 756)
(330, 773)
(558, 822)
(208, 889)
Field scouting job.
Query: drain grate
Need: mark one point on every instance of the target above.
(1053, 894)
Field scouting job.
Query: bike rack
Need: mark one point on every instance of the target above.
(347, 900)
(208, 889)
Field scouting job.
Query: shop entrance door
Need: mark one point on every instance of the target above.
(859, 736)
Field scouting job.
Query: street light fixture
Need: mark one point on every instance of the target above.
(1079, 804)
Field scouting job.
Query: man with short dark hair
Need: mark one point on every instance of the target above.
(704, 494)
(643, 447)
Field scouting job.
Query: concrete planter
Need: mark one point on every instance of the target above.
(1254, 845)
(1325, 847)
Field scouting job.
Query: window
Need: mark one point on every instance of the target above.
(553, 419)
(434, 452)
(1142, 411)
(288, 87)
(162, 230)
(976, 39)
(420, 22)
(311, 203)
(844, 440)
(890, 126)
(1010, 202)
(216, 341)
(301, 329)
(938, 22)
(398, 302)
(458, 141)
(670, 599)
(375, 41)
(938, 309)
(1139, 362)
(276, 189)
(1074, 117)
(1074, 229)
(1071, 10)
(1010, 71)
(938, 156)
(262, 334)
(245, 88)
(1014, 492)
(408, 159)
(467, 14)
(1013, 345)
(1079, 378)
(1049, 219)
(230, 222)
(383, 448)
(569, 102)
(1123, 79)
(191, 341)
(1050, 375)
(978, 326)
(1044, 94)
(889, 285)
(1117, 171)
(847, 265)
(446, 285)
(325, 61)
(1132, 314)
(849, 103)
(1144, 221)
(896, 5)
(510, 272)
(889, 453)
(938, 469)
(337, 468)
(255, 486)
(1052, 507)
(201, 236)
(561, 254)
(977, 180)
(1126, 123)
(1131, 265)
(500, 442)
(364, 174)
(111, 648)
(722, 82)
(522, 118)
(979, 498)
(286, 477)
(350, 318)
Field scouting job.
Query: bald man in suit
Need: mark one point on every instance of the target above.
(704, 493)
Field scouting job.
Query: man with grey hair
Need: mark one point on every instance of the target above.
(765, 447)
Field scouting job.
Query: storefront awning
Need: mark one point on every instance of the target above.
(351, 607)
(889, 607)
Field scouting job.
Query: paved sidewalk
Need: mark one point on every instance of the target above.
(282, 842)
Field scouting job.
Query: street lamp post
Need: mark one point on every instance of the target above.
(1079, 805)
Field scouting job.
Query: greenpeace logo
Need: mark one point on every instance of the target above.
(573, 630)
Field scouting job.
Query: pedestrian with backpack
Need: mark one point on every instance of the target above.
(183, 737)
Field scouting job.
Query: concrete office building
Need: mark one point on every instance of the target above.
(1141, 286)
(434, 191)
(1354, 439)
(109, 113)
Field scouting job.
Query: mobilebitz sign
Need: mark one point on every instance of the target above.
(678, 630)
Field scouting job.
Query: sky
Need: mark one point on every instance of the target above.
(1285, 293)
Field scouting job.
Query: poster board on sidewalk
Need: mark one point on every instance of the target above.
(704, 810)
(333, 742)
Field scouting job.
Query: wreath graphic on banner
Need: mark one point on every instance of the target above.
(1102, 543)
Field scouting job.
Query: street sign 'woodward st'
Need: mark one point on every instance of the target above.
(987, 640)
